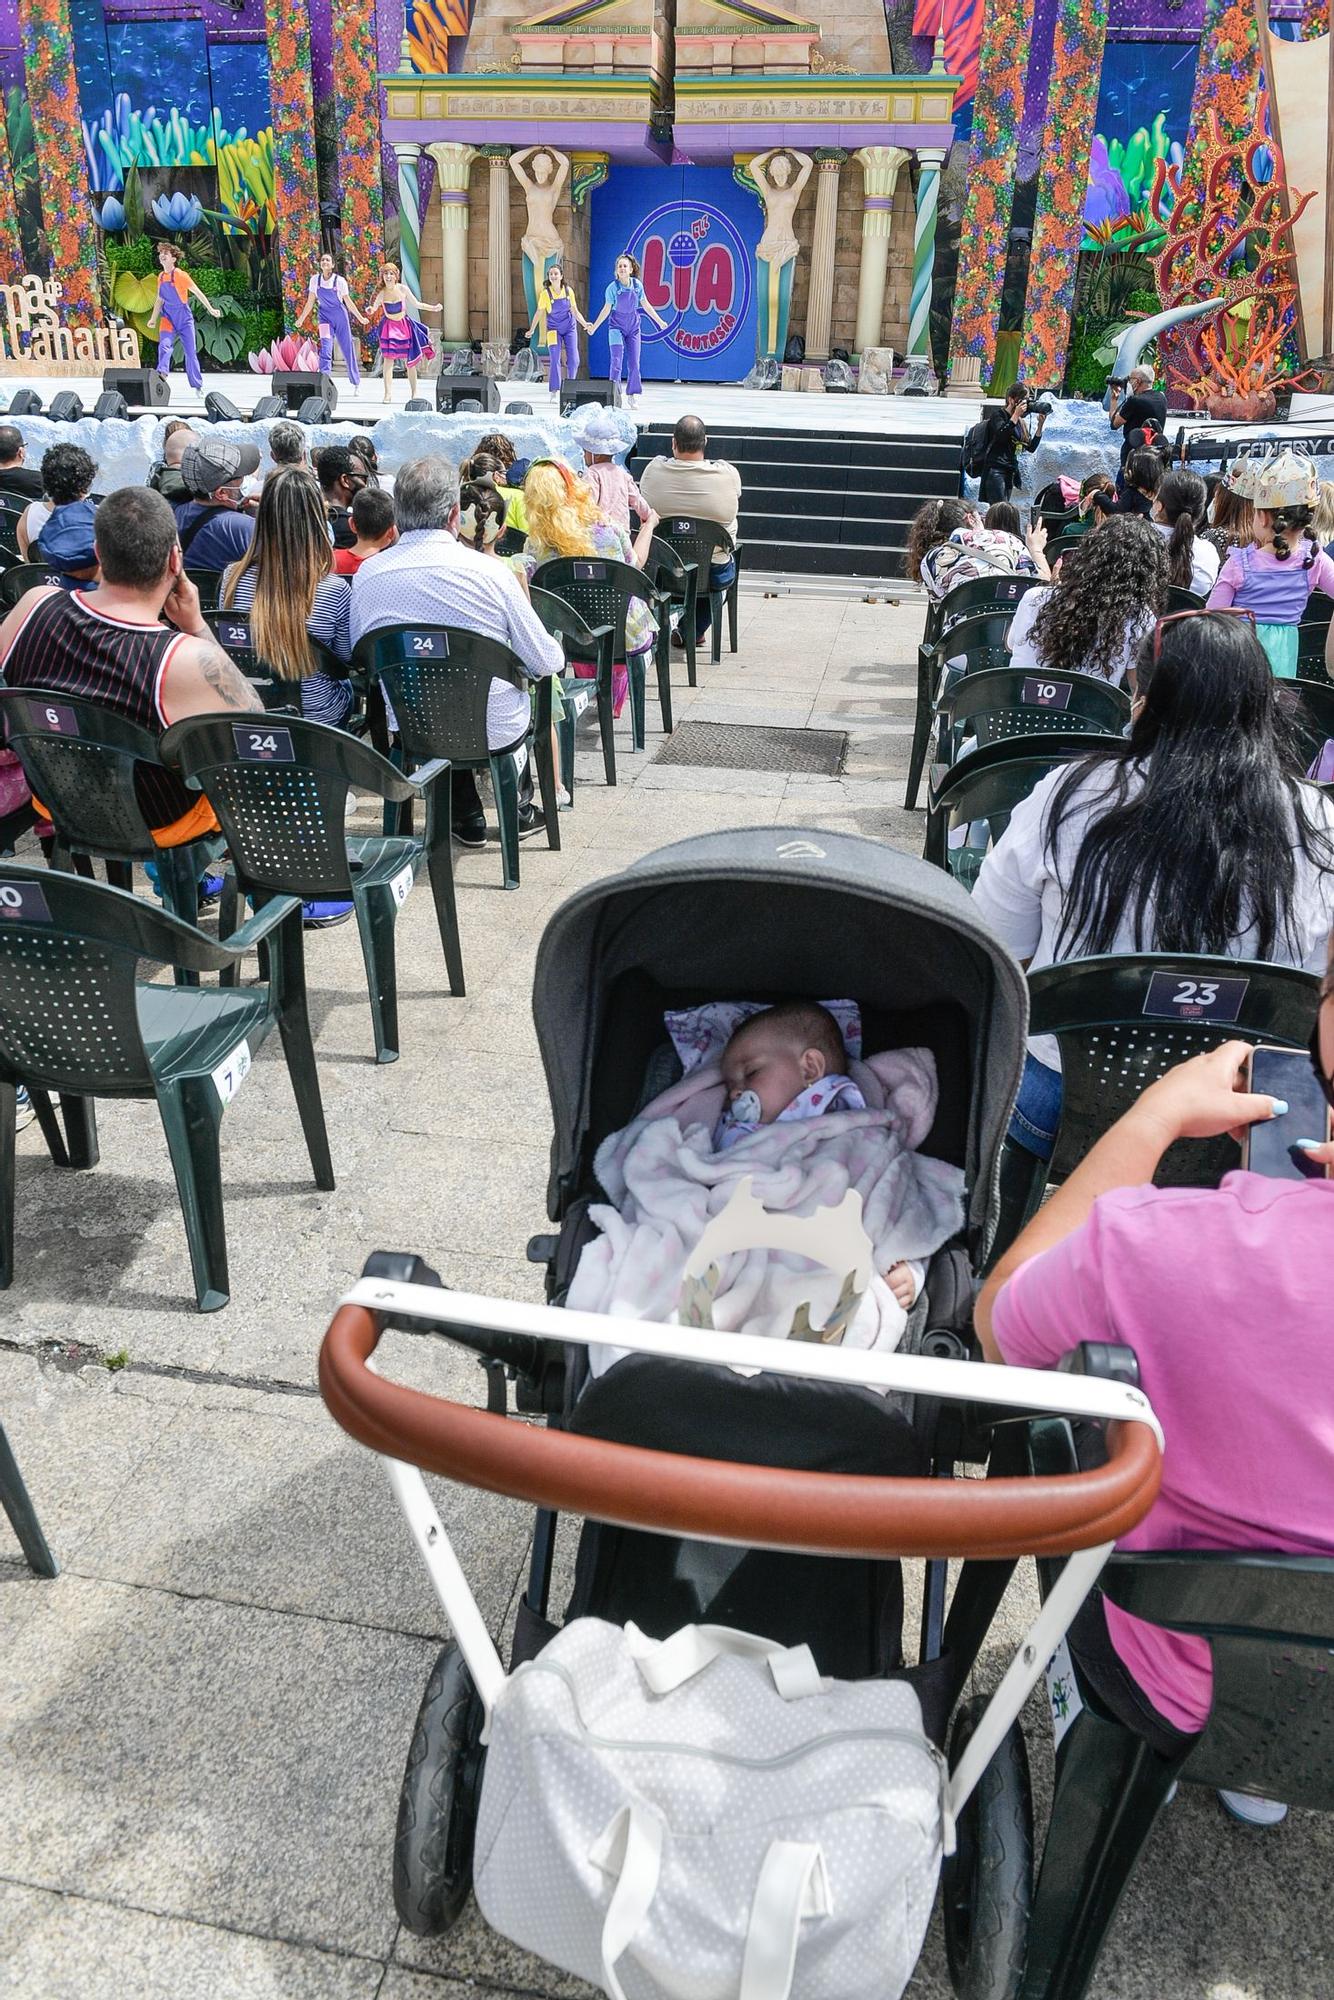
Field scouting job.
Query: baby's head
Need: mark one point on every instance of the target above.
(780, 1053)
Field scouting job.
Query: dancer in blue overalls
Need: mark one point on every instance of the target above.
(624, 302)
(557, 305)
(175, 317)
(328, 293)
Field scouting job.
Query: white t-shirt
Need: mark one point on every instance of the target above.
(1204, 560)
(336, 284)
(1024, 653)
(35, 517)
(1021, 888)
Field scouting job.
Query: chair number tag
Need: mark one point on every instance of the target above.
(263, 746)
(231, 1074)
(426, 645)
(681, 527)
(1171, 998)
(55, 715)
(24, 902)
(1046, 694)
(590, 572)
(234, 632)
(401, 883)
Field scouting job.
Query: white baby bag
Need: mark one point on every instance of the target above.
(706, 1818)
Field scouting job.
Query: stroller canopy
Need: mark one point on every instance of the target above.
(772, 911)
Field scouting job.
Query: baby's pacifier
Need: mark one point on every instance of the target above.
(745, 1108)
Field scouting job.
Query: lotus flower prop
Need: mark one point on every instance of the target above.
(286, 356)
(179, 213)
(112, 215)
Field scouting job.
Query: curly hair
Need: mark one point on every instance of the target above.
(67, 474)
(1103, 589)
(561, 510)
(1286, 522)
(499, 447)
(933, 523)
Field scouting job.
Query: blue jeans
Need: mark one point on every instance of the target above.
(720, 576)
(1037, 1111)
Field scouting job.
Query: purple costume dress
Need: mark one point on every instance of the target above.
(334, 324)
(623, 334)
(401, 337)
(177, 323)
(562, 339)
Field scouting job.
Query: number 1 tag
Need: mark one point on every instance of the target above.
(590, 572)
(1171, 998)
(24, 902)
(263, 746)
(401, 884)
(231, 1074)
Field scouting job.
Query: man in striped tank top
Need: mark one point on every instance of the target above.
(114, 647)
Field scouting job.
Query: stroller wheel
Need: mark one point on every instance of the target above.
(988, 1881)
(437, 1810)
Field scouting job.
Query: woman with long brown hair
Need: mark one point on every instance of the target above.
(286, 582)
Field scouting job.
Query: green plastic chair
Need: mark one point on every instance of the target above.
(986, 785)
(980, 593)
(88, 766)
(17, 1503)
(1312, 633)
(999, 704)
(600, 591)
(1181, 599)
(679, 583)
(697, 542)
(232, 631)
(75, 1017)
(438, 680)
(280, 793)
(1060, 545)
(20, 578)
(1310, 704)
(208, 582)
(9, 531)
(580, 642)
(965, 645)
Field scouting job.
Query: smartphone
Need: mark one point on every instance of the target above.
(1267, 1148)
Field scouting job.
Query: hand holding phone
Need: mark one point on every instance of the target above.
(1271, 1147)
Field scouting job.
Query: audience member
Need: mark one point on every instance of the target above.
(1108, 591)
(563, 520)
(700, 488)
(930, 528)
(213, 530)
(497, 446)
(342, 475)
(1141, 476)
(1230, 519)
(372, 518)
(482, 517)
(970, 549)
(18, 480)
(68, 473)
(362, 447)
(1178, 516)
(1004, 518)
(428, 578)
(288, 445)
(1005, 434)
(1142, 415)
(286, 581)
(1195, 835)
(1274, 574)
(165, 478)
(600, 435)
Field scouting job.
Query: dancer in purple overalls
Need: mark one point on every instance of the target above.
(328, 293)
(177, 321)
(624, 302)
(556, 304)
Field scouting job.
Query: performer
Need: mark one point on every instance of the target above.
(624, 302)
(401, 337)
(177, 320)
(328, 291)
(556, 305)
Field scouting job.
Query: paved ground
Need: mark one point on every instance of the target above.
(203, 1721)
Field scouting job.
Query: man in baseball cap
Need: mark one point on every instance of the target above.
(213, 532)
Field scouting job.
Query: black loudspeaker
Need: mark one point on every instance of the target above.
(111, 404)
(418, 403)
(65, 408)
(299, 384)
(452, 390)
(315, 410)
(588, 389)
(266, 408)
(518, 409)
(142, 388)
(219, 409)
(25, 403)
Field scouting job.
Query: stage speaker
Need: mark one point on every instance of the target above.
(25, 403)
(315, 410)
(588, 389)
(453, 390)
(418, 403)
(111, 404)
(219, 409)
(299, 384)
(266, 408)
(518, 409)
(142, 388)
(65, 408)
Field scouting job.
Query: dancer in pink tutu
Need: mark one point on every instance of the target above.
(401, 337)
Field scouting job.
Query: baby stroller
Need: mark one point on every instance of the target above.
(700, 1483)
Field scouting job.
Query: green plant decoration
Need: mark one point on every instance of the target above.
(221, 340)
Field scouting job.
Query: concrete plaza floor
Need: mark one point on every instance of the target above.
(203, 1721)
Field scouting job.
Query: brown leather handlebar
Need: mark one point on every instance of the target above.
(721, 1500)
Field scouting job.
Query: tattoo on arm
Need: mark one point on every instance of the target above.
(226, 680)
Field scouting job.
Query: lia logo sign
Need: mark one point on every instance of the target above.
(697, 276)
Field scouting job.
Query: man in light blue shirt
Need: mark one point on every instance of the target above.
(429, 578)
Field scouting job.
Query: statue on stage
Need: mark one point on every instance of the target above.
(776, 254)
(543, 244)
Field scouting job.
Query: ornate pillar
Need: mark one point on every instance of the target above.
(409, 214)
(452, 163)
(499, 312)
(820, 304)
(880, 173)
(930, 160)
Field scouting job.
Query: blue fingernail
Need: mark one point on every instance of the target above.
(1278, 1107)
(1308, 1145)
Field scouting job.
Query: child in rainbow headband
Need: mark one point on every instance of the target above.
(1274, 574)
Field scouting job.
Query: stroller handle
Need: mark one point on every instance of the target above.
(722, 1500)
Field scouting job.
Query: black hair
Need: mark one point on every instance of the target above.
(1202, 849)
(1181, 497)
(11, 443)
(135, 533)
(1003, 516)
(334, 462)
(372, 512)
(689, 434)
(1284, 521)
(1106, 584)
(1144, 471)
(67, 474)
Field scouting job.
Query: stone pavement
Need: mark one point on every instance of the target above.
(203, 1721)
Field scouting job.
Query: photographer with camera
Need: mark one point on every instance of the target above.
(1141, 417)
(1001, 436)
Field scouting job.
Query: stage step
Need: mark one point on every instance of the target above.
(817, 501)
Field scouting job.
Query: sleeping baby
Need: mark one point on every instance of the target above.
(787, 1063)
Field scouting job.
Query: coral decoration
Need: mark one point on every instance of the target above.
(431, 23)
(296, 193)
(357, 94)
(286, 356)
(1063, 174)
(960, 24)
(984, 232)
(53, 97)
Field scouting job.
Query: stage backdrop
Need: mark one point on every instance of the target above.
(694, 231)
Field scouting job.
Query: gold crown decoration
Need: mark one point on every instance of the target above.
(1275, 479)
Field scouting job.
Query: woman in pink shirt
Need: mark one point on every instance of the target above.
(1224, 1294)
(601, 434)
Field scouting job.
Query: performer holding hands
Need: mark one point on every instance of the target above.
(401, 337)
(556, 303)
(624, 302)
(328, 292)
(177, 322)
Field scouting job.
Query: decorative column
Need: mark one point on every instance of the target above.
(984, 235)
(820, 303)
(452, 164)
(880, 173)
(499, 310)
(357, 102)
(296, 191)
(409, 215)
(53, 98)
(1063, 166)
(930, 160)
